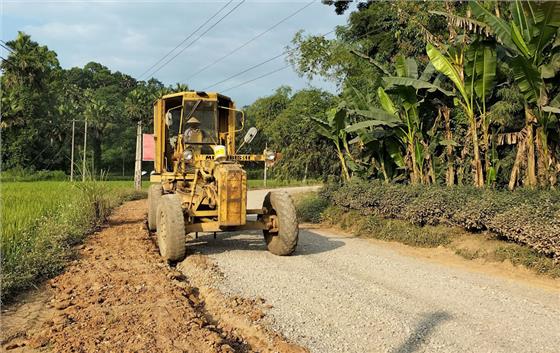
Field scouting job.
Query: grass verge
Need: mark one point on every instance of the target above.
(42, 221)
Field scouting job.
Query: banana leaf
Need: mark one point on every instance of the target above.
(499, 26)
(406, 67)
(378, 114)
(386, 101)
(415, 83)
(485, 67)
(443, 65)
(527, 77)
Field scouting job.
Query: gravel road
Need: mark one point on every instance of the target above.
(343, 294)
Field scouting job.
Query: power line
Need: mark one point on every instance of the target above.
(252, 39)
(257, 78)
(186, 39)
(258, 65)
(200, 36)
(9, 62)
(281, 68)
(6, 47)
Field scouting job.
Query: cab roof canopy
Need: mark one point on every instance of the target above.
(197, 95)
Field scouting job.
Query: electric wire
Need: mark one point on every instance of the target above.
(6, 47)
(200, 36)
(258, 65)
(186, 39)
(281, 68)
(9, 62)
(257, 78)
(252, 39)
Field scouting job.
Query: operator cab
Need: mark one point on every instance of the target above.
(194, 122)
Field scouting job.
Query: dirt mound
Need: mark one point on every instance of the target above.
(121, 297)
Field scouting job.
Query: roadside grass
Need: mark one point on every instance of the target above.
(311, 207)
(42, 221)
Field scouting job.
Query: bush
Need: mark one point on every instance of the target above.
(530, 217)
(310, 208)
(18, 174)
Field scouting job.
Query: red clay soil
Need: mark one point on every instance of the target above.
(119, 296)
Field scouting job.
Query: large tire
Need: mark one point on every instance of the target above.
(284, 241)
(154, 195)
(171, 228)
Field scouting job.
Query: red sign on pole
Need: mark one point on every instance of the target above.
(148, 147)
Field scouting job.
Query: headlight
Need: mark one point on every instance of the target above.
(187, 155)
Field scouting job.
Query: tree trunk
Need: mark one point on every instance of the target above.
(344, 168)
(450, 174)
(542, 158)
(521, 145)
(383, 171)
(478, 175)
(531, 176)
(97, 149)
(414, 177)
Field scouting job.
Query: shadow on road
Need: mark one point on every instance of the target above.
(309, 243)
(422, 332)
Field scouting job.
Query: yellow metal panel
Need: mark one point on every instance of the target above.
(232, 194)
(159, 137)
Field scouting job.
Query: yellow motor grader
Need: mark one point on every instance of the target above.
(198, 183)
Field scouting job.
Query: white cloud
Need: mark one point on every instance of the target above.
(130, 36)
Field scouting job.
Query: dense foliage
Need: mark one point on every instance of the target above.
(530, 217)
(40, 100)
(442, 93)
(448, 93)
(285, 122)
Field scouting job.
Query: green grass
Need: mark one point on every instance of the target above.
(40, 221)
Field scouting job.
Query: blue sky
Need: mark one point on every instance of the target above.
(130, 36)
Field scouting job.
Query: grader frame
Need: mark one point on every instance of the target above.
(198, 183)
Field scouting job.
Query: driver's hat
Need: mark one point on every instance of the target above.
(193, 120)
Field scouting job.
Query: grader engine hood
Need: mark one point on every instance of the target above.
(232, 194)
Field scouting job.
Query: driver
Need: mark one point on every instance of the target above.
(193, 134)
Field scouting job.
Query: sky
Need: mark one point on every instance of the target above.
(131, 36)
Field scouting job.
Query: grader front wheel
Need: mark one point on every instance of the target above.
(154, 195)
(171, 228)
(283, 241)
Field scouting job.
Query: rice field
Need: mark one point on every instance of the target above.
(24, 204)
(40, 221)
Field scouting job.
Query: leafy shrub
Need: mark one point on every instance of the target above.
(530, 217)
(310, 208)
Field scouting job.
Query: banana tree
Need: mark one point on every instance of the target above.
(333, 128)
(472, 69)
(410, 91)
(531, 40)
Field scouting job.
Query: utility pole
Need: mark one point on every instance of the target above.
(72, 153)
(85, 147)
(138, 164)
(265, 162)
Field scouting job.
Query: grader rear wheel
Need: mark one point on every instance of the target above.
(154, 195)
(284, 241)
(171, 228)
